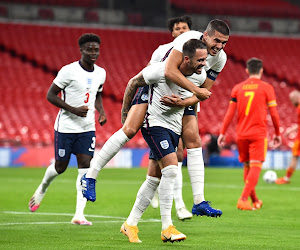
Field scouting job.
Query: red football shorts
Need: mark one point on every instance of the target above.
(252, 149)
(296, 148)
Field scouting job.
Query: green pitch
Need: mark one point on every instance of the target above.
(275, 226)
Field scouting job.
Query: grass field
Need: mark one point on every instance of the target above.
(275, 226)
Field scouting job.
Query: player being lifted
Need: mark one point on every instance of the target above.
(81, 84)
(251, 99)
(215, 37)
(161, 130)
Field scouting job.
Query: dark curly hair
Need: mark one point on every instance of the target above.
(88, 37)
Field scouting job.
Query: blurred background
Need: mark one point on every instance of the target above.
(38, 37)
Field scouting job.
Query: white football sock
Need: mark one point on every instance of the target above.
(165, 193)
(143, 199)
(81, 201)
(111, 147)
(49, 176)
(179, 203)
(195, 165)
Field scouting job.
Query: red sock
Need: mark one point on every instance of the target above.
(246, 171)
(252, 179)
(289, 172)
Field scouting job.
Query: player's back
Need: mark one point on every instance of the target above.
(253, 98)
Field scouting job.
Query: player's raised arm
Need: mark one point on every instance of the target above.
(173, 73)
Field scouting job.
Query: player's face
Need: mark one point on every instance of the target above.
(90, 52)
(215, 42)
(198, 61)
(179, 28)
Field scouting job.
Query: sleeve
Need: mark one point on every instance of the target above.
(213, 72)
(180, 40)
(271, 98)
(100, 89)
(231, 110)
(275, 119)
(228, 117)
(153, 73)
(62, 80)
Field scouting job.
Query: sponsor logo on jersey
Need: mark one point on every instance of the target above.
(144, 97)
(190, 108)
(164, 144)
(91, 149)
(61, 152)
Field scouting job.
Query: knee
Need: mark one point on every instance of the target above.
(193, 141)
(130, 131)
(61, 167)
(170, 171)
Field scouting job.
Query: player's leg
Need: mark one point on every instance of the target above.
(168, 165)
(195, 164)
(83, 148)
(112, 146)
(257, 151)
(256, 202)
(62, 156)
(162, 143)
(143, 198)
(83, 165)
(293, 165)
(181, 211)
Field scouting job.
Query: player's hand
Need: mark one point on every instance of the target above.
(80, 111)
(102, 119)
(203, 94)
(276, 141)
(172, 101)
(221, 141)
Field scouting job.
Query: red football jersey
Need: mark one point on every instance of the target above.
(253, 97)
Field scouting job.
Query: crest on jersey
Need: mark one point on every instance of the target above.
(89, 83)
(61, 152)
(164, 144)
(144, 97)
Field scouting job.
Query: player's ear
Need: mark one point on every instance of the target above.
(247, 71)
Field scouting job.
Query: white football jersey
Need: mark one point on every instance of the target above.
(161, 53)
(79, 88)
(159, 86)
(215, 63)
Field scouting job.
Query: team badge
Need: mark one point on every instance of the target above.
(61, 152)
(144, 97)
(89, 83)
(164, 144)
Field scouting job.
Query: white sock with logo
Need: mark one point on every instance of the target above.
(81, 201)
(166, 188)
(179, 203)
(143, 199)
(49, 176)
(195, 166)
(111, 147)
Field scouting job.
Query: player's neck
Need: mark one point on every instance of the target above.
(255, 76)
(86, 66)
(185, 70)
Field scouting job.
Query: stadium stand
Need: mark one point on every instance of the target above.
(30, 66)
(253, 8)
(74, 3)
